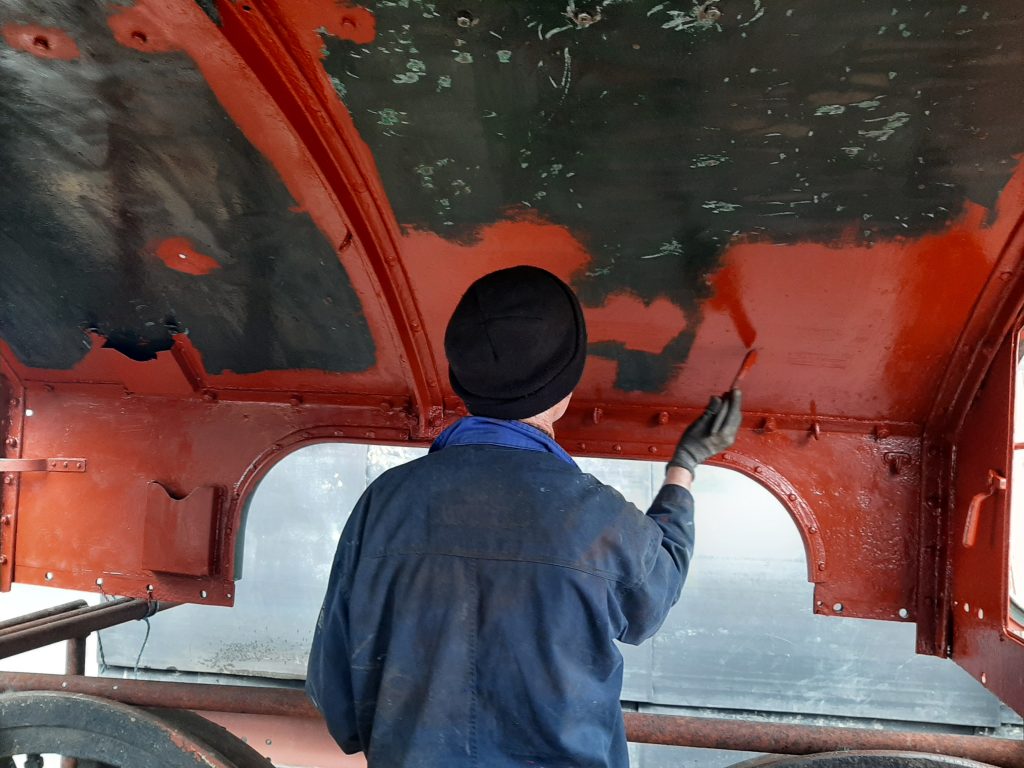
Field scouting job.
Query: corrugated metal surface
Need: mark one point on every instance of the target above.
(741, 638)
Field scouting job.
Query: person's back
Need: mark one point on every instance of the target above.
(486, 589)
(476, 593)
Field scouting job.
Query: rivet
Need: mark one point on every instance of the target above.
(582, 446)
(149, 587)
(813, 529)
(14, 402)
(48, 576)
(64, 684)
(596, 415)
(295, 400)
(881, 433)
(1005, 276)
(758, 470)
(838, 607)
(981, 613)
(228, 595)
(5, 520)
(99, 582)
(726, 457)
(140, 37)
(652, 449)
(617, 448)
(768, 425)
(8, 480)
(269, 742)
(3, 559)
(663, 417)
(821, 565)
(79, 465)
(791, 496)
(275, 447)
(65, 465)
(209, 395)
(371, 434)
(12, 442)
(984, 679)
(202, 593)
(904, 613)
(967, 607)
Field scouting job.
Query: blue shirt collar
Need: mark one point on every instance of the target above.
(480, 430)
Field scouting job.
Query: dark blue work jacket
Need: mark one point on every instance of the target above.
(475, 596)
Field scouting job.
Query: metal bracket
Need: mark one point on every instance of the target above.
(59, 464)
(996, 482)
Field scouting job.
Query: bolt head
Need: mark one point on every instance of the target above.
(12, 442)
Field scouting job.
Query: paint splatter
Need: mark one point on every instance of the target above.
(504, 57)
(463, 57)
(179, 254)
(830, 109)
(42, 42)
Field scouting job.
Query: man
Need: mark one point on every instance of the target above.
(477, 591)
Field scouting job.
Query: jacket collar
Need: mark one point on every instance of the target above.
(480, 430)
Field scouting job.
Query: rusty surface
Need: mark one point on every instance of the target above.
(76, 623)
(708, 733)
(278, 269)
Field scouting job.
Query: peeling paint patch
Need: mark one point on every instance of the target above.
(717, 206)
(830, 109)
(443, 81)
(671, 248)
(708, 161)
(414, 70)
(504, 57)
(891, 124)
(463, 57)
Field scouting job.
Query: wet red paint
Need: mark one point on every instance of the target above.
(313, 18)
(729, 297)
(179, 254)
(43, 42)
(749, 360)
(642, 326)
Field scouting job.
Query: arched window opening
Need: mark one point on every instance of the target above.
(743, 640)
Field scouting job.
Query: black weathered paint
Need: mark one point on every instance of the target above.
(104, 157)
(851, 123)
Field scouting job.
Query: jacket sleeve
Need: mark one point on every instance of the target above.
(639, 609)
(328, 676)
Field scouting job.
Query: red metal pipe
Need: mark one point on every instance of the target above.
(709, 733)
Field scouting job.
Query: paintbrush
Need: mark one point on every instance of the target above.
(749, 360)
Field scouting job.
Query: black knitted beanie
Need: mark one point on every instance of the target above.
(516, 343)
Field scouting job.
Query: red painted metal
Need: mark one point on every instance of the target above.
(861, 413)
(708, 733)
(57, 464)
(980, 639)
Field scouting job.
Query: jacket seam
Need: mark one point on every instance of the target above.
(597, 572)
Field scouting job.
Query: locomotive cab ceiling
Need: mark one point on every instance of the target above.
(294, 194)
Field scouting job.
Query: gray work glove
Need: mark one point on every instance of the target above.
(712, 432)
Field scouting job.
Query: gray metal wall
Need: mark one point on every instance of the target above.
(742, 637)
